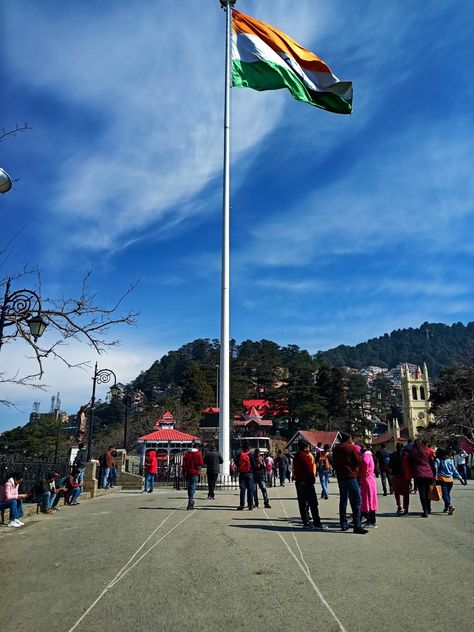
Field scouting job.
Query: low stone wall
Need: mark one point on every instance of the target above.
(29, 509)
(124, 479)
(127, 480)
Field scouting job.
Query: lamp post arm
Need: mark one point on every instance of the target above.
(4, 311)
(100, 377)
(125, 422)
(91, 416)
(17, 307)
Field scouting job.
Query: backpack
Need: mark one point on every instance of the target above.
(323, 464)
(244, 463)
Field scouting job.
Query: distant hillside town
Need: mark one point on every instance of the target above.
(275, 391)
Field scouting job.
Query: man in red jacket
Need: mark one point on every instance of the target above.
(151, 468)
(346, 461)
(304, 474)
(192, 463)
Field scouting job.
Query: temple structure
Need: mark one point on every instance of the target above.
(168, 442)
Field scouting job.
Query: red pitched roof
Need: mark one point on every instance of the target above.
(387, 437)
(253, 420)
(253, 413)
(315, 436)
(258, 403)
(166, 418)
(211, 409)
(168, 435)
(263, 406)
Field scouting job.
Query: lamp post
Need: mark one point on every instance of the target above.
(5, 181)
(126, 400)
(18, 307)
(103, 376)
(217, 385)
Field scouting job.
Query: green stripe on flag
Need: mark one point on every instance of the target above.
(262, 75)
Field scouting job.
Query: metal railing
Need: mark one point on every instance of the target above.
(32, 472)
(224, 481)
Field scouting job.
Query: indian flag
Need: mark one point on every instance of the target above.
(264, 58)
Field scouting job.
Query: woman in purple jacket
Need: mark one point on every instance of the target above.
(421, 464)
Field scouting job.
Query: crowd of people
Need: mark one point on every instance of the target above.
(411, 468)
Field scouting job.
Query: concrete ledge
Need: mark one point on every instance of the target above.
(29, 509)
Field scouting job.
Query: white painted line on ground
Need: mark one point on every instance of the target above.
(303, 561)
(117, 579)
(124, 570)
(148, 538)
(304, 567)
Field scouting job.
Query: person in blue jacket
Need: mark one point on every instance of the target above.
(446, 472)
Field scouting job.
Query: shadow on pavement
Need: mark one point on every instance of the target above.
(333, 529)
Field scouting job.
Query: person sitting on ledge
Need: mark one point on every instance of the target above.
(11, 499)
(73, 488)
(57, 489)
(41, 493)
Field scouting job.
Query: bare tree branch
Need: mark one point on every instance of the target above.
(13, 132)
(67, 318)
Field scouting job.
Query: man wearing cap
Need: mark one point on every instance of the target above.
(304, 474)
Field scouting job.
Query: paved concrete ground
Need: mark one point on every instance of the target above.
(132, 562)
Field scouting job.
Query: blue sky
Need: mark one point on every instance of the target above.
(342, 227)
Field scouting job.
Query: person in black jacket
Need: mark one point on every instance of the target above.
(212, 460)
(80, 462)
(259, 479)
(41, 493)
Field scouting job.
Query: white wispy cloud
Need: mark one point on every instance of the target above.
(157, 91)
(135, 354)
(287, 285)
(403, 200)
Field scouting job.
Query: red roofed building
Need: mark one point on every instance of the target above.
(166, 421)
(253, 421)
(313, 437)
(262, 406)
(168, 442)
(387, 437)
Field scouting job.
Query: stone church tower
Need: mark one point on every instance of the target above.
(415, 396)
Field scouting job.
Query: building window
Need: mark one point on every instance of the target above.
(422, 392)
(414, 392)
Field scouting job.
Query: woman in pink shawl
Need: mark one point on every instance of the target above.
(368, 487)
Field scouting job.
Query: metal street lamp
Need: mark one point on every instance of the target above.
(37, 326)
(114, 390)
(127, 400)
(5, 181)
(103, 376)
(18, 307)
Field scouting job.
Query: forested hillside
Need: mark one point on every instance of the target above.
(434, 343)
(306, 391)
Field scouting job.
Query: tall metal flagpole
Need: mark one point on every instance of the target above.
(224, 399)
